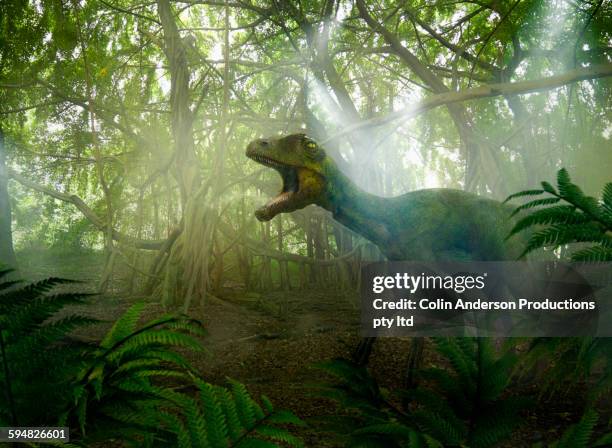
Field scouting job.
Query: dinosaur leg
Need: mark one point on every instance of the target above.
(415, 358)
(361, 355)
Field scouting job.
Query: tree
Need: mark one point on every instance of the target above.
(136, 116)
(7, 254)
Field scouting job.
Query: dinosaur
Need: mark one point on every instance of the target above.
(426, 225)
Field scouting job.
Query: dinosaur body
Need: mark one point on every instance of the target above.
(424, 225)
(431, 224)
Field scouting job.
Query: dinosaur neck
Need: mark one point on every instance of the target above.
(358, 210)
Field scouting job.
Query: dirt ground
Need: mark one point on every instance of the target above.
(270, 342)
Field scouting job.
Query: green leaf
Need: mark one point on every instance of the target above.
(124, 326)
(232, 419)
(557, 235)
(279, 434)
(523, 193)
(549, 188)
(243, 404)
(563, 181)
(607, 194)
(560, 214)
(536, 203)
(593, 254)
(285, 418)
(578, 435)
(215, 419)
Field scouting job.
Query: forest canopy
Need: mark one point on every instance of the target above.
(123, 124)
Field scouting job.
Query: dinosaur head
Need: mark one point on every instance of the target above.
(302, 165)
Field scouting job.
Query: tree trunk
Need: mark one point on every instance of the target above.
(266, 265)
(7, 254)
(282, 265)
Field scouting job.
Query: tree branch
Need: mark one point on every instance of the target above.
(487, 91)
(127, 11)
(87, 212)
(461, 52)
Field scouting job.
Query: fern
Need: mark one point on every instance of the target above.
(581, 434)
(223, 417)
(35, 351)
(118, 389)
(463, 405)
(572, 362)
(581, 219)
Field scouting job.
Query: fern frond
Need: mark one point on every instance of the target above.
(563, 182)
(606, 195)
(548, 188)
(125, 325)
(187, 325)
(535, 203)
(583, 219)
(455, 354)
(451, 388)
(153, 356)
(215, 419)
(244, 406)
(497, 422)
(15, 298)
(439, 427)
(176, 426)
(359, 388)
(196, 425)
(523, 193)
(558, 235)
(460, 406)
(10, 283)
(279, 434)
(158, 337)
(579, 435)
(22, 319)
(221, 417)
(228, 405)
(282, 417)
(560, 214)
(593, 254)
(47, 334)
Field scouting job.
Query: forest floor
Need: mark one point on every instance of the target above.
(271, 342)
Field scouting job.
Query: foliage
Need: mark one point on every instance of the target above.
(115, 395)
(580, 435)
(118, 389)
(36, 352)
(464, 406)
(90, 107)
(570, 362)
(66, 66)
(224, 417)
(568, 216)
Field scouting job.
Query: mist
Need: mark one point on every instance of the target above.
(124, 129)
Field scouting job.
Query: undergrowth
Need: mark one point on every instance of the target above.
(124, 387)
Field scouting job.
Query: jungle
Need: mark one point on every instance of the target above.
(190, 189)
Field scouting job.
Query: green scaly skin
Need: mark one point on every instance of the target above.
(425, 225)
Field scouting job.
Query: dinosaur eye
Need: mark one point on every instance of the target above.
(311, 149)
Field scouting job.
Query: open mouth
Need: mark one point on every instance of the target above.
(284, 199)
